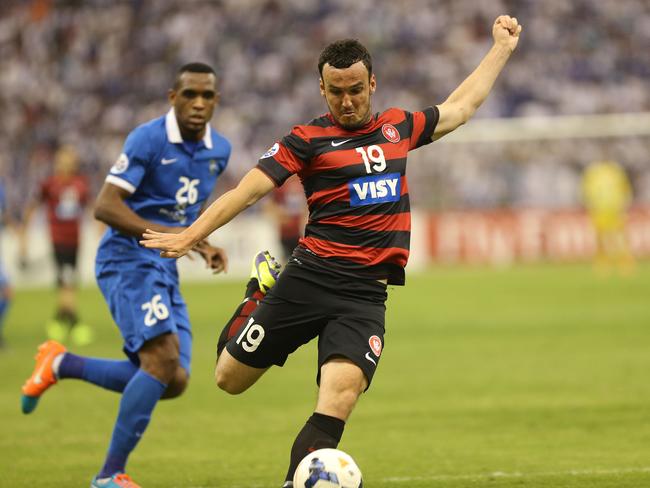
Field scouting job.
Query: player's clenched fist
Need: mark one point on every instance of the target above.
(506, 31)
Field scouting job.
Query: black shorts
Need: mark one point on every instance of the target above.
(346, 315)
(65, 259)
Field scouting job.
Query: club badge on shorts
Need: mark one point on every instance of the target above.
(375, 345)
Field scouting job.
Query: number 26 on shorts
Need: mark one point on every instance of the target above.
(155, 311)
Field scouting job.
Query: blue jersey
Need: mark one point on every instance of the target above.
(3, 213)
(169, 180)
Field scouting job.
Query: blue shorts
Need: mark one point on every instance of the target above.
(145, 302)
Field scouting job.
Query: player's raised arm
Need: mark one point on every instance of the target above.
(464, 100)
(253, 186)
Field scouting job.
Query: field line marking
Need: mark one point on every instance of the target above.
(496, 474)
(515, 474)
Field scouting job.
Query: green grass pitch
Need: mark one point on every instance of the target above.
(534, 376)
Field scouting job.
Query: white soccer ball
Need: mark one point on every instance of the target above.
(327, 468)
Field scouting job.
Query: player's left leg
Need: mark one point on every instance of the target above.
(341, 384)
(349, 348)
(154, 323)
(159, 363)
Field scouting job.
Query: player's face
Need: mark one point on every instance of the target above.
(347, 92)
(194, 100)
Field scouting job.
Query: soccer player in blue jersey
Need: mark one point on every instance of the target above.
(166, 172)
(5, 288)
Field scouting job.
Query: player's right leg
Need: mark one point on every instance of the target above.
(54, 362)
(264, 273)
(232, 375)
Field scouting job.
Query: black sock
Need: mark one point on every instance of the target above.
(252, 299)
(252, 287)
(320, 431)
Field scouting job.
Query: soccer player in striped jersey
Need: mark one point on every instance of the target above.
(352, 164)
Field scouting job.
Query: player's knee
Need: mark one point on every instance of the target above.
(226, 382)
(160, 357)
(348, 398)
(162, 366)
(339, 404)
(178, 385)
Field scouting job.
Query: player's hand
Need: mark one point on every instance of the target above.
(170, 245)
(215, 257)
(505, 31)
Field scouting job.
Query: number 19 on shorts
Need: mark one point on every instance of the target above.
(251, 337)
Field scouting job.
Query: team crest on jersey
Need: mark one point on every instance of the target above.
(375, 345)
(273, 150)
(390, 133)
(213, 166)
(121, 165)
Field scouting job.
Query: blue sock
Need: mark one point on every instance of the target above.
(107, 373)
(138, 401)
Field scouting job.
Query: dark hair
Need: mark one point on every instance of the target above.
(343, 54)
(193, 68)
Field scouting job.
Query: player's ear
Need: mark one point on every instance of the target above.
(373, 84)
(322, 86)
(171, 96)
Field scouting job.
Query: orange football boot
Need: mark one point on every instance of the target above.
(43, 376)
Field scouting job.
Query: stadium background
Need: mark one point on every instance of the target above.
(522, 375)
(85, 73)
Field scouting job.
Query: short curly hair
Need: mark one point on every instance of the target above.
(343, 54)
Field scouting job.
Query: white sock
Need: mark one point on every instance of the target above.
(56, 363)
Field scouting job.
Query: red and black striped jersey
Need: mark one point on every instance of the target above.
(357, 193)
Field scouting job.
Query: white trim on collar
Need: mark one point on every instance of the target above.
(174, 132)
(207, 137)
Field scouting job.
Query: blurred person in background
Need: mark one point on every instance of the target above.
(352, 164)
(65, 196)
(5, 288)
(167, 170)
(287, 207)
(607, 195)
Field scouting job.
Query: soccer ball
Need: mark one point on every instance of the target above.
(327, 468)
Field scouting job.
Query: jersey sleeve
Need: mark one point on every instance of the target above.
(286, 157)
(423, 124)
(127, 172)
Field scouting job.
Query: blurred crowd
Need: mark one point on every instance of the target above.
(86, 72)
